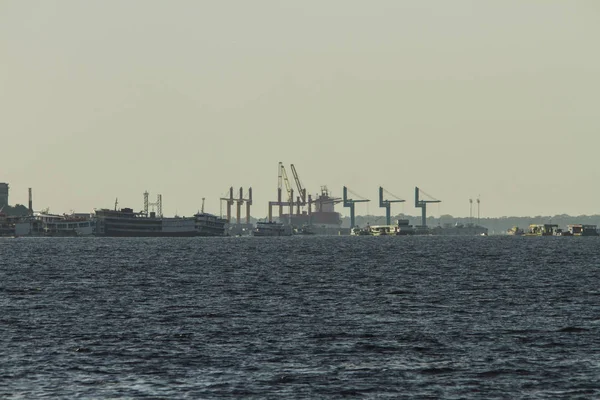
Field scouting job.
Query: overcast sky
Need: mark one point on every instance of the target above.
(498, 99)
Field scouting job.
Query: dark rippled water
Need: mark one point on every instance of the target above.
(301, 317)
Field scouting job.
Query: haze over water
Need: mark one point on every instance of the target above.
(107, 99)
(300, 317)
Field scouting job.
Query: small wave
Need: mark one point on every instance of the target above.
(498, 372)
(437, 371)
(573, 329)
(376, 348)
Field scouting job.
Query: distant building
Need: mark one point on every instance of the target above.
(3, 194)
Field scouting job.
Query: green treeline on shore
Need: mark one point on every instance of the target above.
(496, 226)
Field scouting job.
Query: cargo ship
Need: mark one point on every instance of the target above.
(125, 222)
(322, 219)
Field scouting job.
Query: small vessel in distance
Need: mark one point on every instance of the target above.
(542, 230)
(582, 230)
(515, 231)
(266, 228)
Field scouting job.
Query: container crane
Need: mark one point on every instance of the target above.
(248, 201)
(239, 202)
(387, 204)
(301, 199)
(422, 204)
(288, 187)
(350, 204)
(229, 202)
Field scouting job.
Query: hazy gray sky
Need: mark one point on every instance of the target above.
(105, 99)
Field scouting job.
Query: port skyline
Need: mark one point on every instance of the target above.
(496, 100)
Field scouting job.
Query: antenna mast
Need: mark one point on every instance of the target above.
(470, 211)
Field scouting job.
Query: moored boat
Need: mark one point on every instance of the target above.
(266, 228)
(515, 231)
(542, 230)
(126, 222)
(210, 225)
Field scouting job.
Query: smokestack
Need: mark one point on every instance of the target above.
(30, 202)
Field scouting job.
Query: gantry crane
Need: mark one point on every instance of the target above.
(387, 204)
(350, 204)
(422, 204)
(229, 202)
(301, 199)
(248, 201)
(290, 191)
(239, 202)
(281, 180)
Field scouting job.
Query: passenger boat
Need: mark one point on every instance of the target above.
(267, 228)
(126, 222)
(45, 224)
(209, 225)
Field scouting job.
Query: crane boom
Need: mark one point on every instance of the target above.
(288, 187)
(301, 189)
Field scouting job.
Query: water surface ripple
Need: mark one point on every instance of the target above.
(300, 317)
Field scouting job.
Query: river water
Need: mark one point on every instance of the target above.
(300, 317)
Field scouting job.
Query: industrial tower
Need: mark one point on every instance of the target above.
(422, 204)
(387, 205)
(158, 205)
(350, 204)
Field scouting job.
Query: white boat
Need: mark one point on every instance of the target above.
(61, 225)
(383, 230)
(272, 229)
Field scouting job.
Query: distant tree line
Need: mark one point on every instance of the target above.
(495, 225)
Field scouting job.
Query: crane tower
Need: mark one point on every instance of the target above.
(350, 204)
(422, 204)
